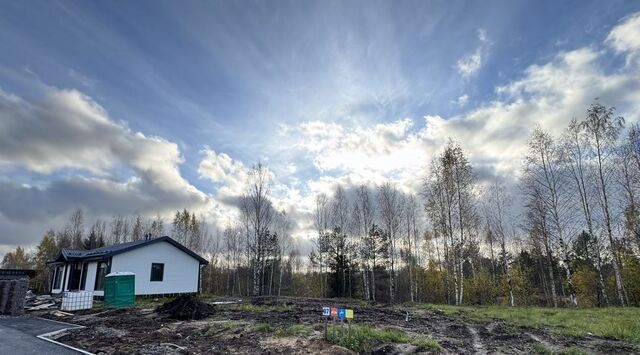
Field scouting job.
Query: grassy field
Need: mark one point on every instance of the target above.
(611, 322)
(363, 338)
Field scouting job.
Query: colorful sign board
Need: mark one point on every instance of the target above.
(333, 312)
(326, 311)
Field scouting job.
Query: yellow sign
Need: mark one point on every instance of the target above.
(349, 313)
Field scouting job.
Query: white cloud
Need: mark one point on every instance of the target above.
(462, 100)
(494, 135)
(470, 64)
(361, 151)
(67, 130)
(116, 171)
(221, 168)
(625, 37)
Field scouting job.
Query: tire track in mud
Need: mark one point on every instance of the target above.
(478, 347)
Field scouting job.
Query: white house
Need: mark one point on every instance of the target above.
(160, 265)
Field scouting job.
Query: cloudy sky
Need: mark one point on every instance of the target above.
(151, 106)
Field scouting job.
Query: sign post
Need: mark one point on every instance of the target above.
(341, 315)
(349, 316)
(326, 313)
(334, 313)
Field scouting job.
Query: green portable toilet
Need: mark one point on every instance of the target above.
(120, 289)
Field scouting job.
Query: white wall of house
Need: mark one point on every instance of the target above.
(181, 270)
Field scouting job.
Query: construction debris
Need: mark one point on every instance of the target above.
(35, 303)
(186, 307)
(62, 314)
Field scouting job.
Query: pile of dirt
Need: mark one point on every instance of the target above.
(186, 307)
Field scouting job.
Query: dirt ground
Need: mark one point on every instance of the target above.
(247, 329)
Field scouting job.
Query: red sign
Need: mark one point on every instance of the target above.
(334, 312)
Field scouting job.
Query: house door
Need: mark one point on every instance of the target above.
(83, 282)
(74, 276)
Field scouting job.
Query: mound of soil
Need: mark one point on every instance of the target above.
(186, 307)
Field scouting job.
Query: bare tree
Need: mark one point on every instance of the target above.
(156, 228)
(283, 229)
(137, 231)
(629, 179)
(389, 207)
(545, 177)
(233, 248)
(602, 129)
(410, 220)
(496, 212)
(364, 213)
(321, 223)
(76, 228)
(575, 146)
(257, 212)
(119, 230)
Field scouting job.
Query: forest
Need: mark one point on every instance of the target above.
(565, 233)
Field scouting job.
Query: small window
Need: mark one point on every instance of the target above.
(157, 272)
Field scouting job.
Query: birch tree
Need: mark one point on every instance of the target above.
(321, 224)
(450, 204)
(602, 129)
(546, 178)
(257, 212)
(575, 145)
(364, 213)
(496, 212)
(388, 202)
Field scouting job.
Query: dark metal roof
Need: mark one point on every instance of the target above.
(6, 274)
(104, 252)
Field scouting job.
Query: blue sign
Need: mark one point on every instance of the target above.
(326, 311)
(342, 313)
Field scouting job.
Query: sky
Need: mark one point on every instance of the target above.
(147, 107)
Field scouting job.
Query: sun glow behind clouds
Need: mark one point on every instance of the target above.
(337, 137)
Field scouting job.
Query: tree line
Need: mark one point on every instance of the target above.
(565, 233)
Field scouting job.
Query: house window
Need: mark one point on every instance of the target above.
(57, 280)
(101, 272)
(157, 272)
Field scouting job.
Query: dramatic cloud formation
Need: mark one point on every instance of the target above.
(494, 135)
(116, 170)
(352, 106)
